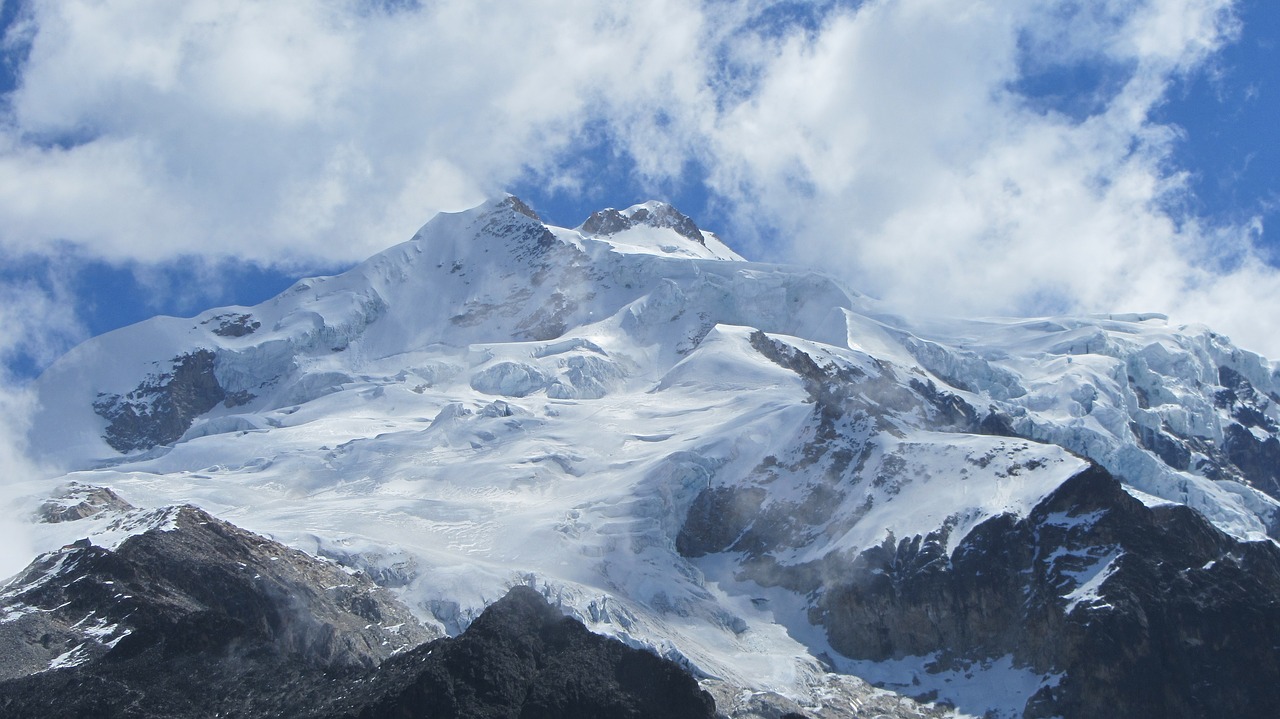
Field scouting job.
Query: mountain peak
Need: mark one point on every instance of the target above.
(653, 213)
(511, 202)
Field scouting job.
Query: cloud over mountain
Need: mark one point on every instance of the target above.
(989, 157)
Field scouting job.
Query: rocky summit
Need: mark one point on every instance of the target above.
(779, 496)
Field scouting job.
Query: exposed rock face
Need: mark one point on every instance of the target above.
(518, 205)
(197, 618)
(525, 232)
(839, 392)
(522, 658)
(1149, 611)
(553, 267)
(78, 501)
(718, 519)
(606, 222)
(234, 325)
(664, 215)
(190, 615)
(850, 406)
(1257, 459)
(162, 407)
(654, 214)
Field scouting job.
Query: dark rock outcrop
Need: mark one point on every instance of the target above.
(78, 501)
(234, 325)
(1257, 459)
(610, 221)
(523, 658)
(718, 518)
(1147, 611)
(163, 406)
(188, 618)
(197, 618)
(606, 222)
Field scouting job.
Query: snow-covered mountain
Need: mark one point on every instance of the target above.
(747, 468)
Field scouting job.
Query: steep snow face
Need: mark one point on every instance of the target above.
(682, 446)
(494, 274)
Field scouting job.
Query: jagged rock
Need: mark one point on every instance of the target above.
(234, 325)
(523, 658)
(606, 222)
(196, 618)
(718, 517)
(660, 214)
(844, 697)
(79, 501)
(190, 615)
(163, 406)
(515, 203)
(1257, 459)
(653, 214)
(1149, 611)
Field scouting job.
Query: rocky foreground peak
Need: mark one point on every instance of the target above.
(194, 617)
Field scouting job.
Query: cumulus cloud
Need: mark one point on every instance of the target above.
(901, 143)
(149, 129)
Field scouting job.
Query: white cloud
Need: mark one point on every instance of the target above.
(41, 324)
(15, 407)
(890, 141)
(315, 129)
(896, 147)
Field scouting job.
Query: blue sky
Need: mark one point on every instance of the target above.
(978, 157)
(1230, 112)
